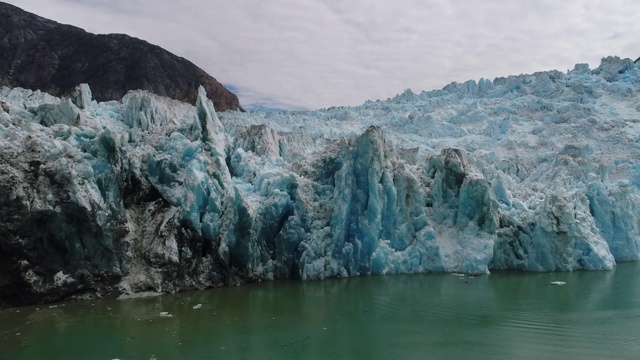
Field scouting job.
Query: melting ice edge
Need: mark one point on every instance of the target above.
(532, 172)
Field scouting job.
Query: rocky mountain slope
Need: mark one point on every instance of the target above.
(37, 53)
(535, 172)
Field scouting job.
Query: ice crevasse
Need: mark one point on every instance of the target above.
(531, 172)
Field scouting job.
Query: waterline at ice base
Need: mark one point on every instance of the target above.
(531, 172)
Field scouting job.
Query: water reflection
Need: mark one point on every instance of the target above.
(503, 315)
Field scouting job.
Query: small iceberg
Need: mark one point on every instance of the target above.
(557, 282)
(198, 306)
(165, 314)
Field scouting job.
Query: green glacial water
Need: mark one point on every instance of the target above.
(505, 315)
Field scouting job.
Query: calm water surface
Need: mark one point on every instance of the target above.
(595, 315)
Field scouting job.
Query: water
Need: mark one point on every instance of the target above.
(507, 315)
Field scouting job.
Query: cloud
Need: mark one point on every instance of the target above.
(320, 53)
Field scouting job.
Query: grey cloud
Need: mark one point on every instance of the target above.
(319, 53)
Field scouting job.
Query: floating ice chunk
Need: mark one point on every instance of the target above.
(557, 283)
(198, 306)
(165, 314)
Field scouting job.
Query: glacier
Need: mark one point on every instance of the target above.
(535, 172)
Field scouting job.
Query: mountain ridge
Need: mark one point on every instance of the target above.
(38, 53)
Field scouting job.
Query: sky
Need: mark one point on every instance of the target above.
(312, 54)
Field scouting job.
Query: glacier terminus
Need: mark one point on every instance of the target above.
(536, 172)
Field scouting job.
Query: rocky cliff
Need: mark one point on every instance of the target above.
(37, 53)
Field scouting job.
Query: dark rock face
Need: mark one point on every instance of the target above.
(37, 53)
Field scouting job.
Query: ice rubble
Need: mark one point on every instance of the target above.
(531, 172)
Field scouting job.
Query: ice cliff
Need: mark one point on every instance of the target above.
(533, 172)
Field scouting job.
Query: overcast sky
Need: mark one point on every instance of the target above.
(307, 54)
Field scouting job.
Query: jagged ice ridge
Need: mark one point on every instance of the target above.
(532, 172)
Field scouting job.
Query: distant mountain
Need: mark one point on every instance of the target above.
(37, 53)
